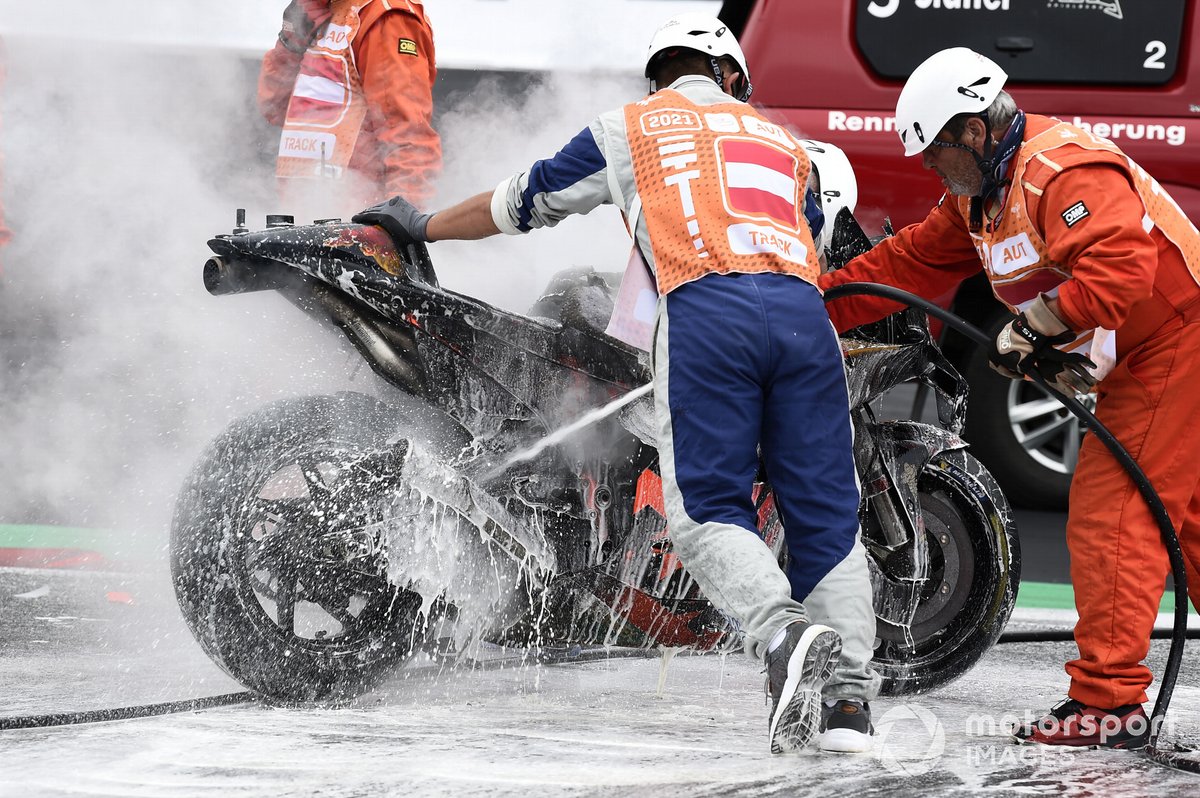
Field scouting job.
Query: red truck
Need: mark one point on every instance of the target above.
(1129, 70)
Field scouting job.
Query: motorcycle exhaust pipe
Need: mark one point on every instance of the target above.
(238, 276)
(390, 352)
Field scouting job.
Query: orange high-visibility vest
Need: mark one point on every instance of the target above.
(722, 190)
(326, 112)
(1014, 253)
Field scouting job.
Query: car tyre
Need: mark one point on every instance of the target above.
(1022, 434)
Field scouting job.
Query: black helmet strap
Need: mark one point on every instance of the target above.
(744, 89)
(743, 92)
(991, 163)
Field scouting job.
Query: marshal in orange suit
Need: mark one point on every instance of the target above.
(351, 85)
(1101, 271)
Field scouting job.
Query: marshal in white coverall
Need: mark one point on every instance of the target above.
(744, 353)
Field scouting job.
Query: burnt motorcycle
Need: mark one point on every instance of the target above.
(321, 542)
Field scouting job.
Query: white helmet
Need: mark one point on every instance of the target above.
(703, 33)
(948, 83)
(839, 186)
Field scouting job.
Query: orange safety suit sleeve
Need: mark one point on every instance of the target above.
(927, 259)
(1111, 257)
(398, 86)
(276, 79)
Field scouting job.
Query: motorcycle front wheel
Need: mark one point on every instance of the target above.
(274, 554)
(971, 587)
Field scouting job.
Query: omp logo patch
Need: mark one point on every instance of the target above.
(408, 47)
(1075, 213)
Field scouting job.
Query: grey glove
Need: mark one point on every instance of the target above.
(403, 222)
(303, 23)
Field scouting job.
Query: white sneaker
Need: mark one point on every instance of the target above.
(846, 727)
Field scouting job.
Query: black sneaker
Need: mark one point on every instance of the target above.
(846, 726)
(1074, 724)
(796, 671)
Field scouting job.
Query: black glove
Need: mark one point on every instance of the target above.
(404, 223)
(303, 23)
(1026, 344)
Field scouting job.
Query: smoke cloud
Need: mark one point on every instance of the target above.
(116, 367)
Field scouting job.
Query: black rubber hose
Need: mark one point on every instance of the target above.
(1140, 480)
(123, 713)
(546, 657)
(1068, 636)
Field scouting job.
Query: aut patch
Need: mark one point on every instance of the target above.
(408, 47)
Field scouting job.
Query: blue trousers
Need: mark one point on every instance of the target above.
(744, 362)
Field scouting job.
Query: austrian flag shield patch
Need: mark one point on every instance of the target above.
(760, 181)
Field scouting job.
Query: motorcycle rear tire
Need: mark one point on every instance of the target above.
(975, 573)
(211, 545)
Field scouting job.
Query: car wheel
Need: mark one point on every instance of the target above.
(1024, 436)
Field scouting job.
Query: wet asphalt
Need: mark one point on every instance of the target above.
(79, 641)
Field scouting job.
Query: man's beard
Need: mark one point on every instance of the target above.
(961, 188)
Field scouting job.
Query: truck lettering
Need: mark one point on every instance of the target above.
(840, 120)
(964, 5)
(1175, 135)
(887, 8)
